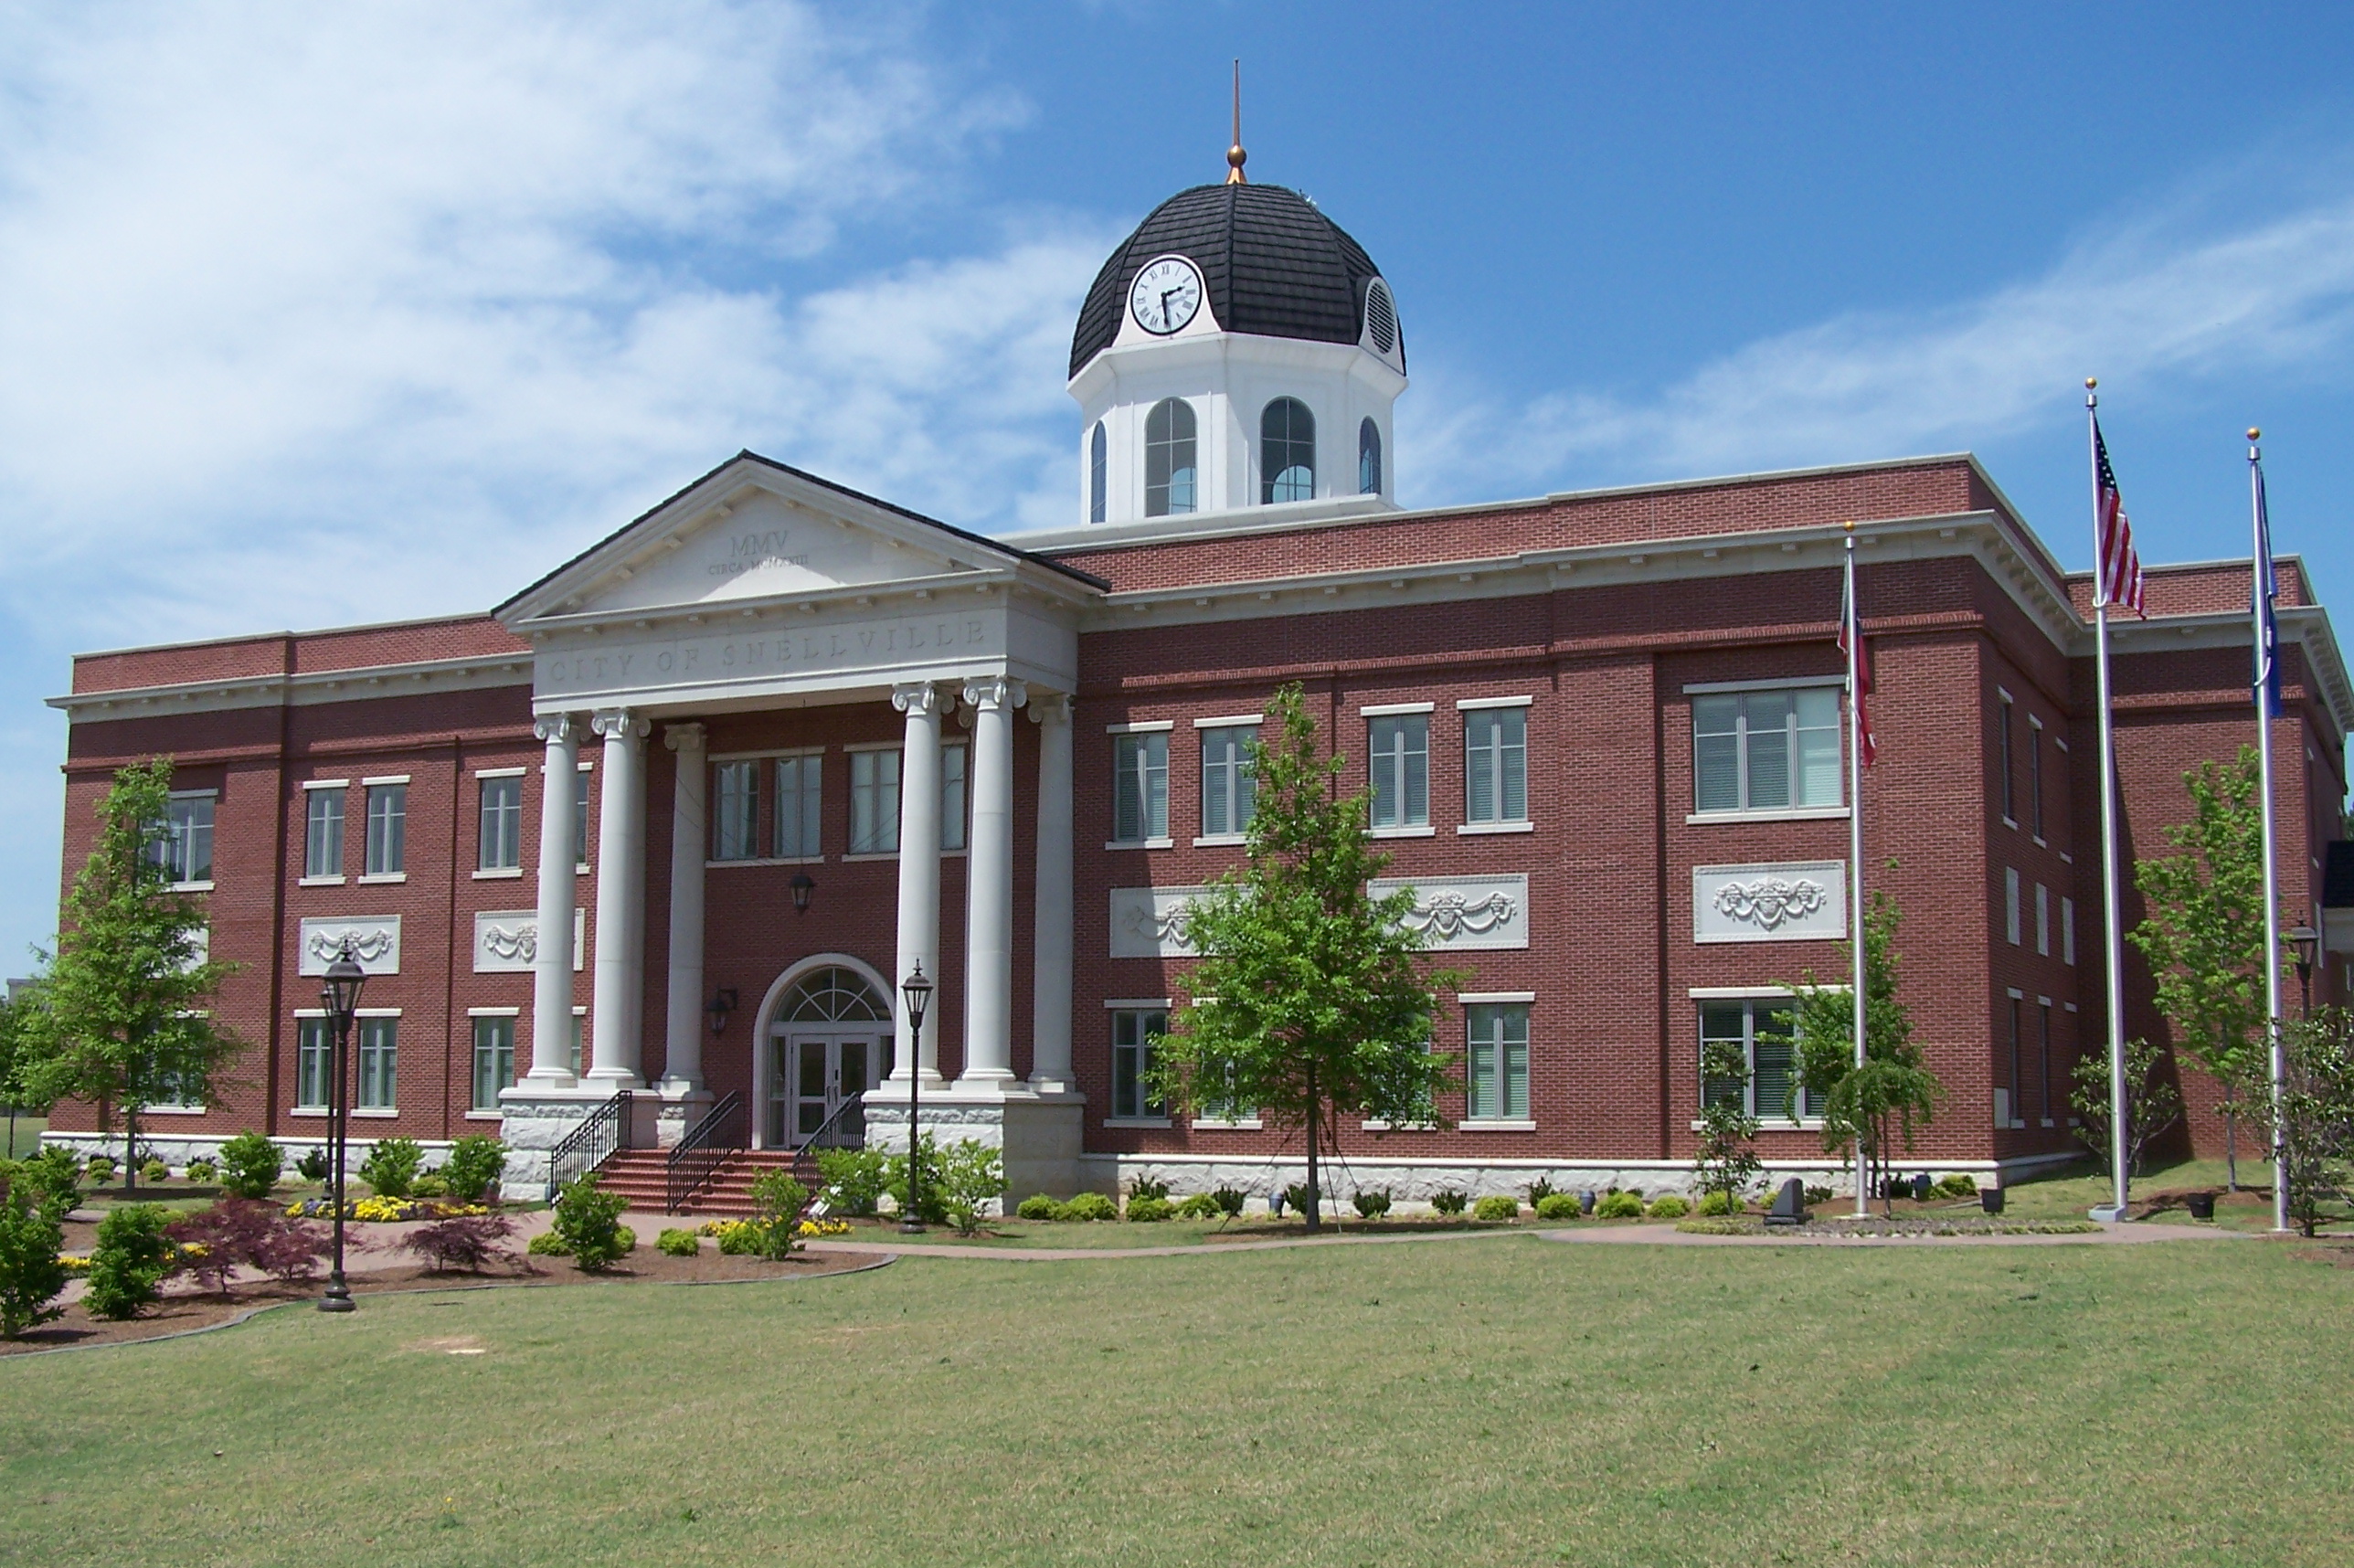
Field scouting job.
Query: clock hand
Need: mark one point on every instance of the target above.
(1164, 301)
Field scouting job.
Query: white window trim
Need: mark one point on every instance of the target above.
(375, 1113)
(1140, 843)
(334, 881)
(494, 875)
(1522, 826)
(1738, 992)
(1138, 1003)
(1249, 721)
(373, 1013)
(872, 855)
(1137, 1122)
(1480, 998)
(1423, 831)
(1496, 1124)
(1776, 1124)
(803, 860)
(367, 876)
(334, 783)
(385, 778)
(501, 772)
(1770, 815)
(1144, 726)
(173, 1111)
(857, 745)
(1245, 1124)
(486, 1115)
(1217, 840)
(585, 766)
(204, 886)
(1395, 710)
(193, 795)
(1468, 704)
(1702, 688)
(470, 1013)
(2016, 995)
(783, 751)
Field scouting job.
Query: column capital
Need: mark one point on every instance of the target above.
(921, 697)
(684, 737)
(618, 723)
(553, 726)
(1050, 707)
(994, 692)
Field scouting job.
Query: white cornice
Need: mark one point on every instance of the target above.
(2307, 625)
(305, 690)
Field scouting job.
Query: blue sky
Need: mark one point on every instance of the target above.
(321, 315)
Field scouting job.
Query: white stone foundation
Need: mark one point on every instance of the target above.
(1039, 1134)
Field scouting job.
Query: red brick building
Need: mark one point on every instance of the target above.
(763, 746)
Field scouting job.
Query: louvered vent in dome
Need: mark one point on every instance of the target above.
(1381, 320)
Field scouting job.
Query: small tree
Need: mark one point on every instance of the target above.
(31, 1277)
(2152, 1104)
(1311, 996)
(130, 1260)
(588, 1223)
(16, 1056)
(1727, 1163)
(2316, 1127)
(779, 1199)
(972, 1176)
(2204, 935)
(123, 1017)
(1877, 1103)
(249, 1165)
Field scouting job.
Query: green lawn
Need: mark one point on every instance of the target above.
(26, 1136)
(2072, 1192)
(1505, 1402)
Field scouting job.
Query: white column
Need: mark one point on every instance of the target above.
(614, 1050)
(920, 865)
(1050, 945)
(551, 964)
(988, 887)
(689, 836)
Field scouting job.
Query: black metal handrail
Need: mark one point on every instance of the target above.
(694, 1157)
(601, 1132)
(845, 1129)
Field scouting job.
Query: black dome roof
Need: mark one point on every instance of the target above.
(1273, 264)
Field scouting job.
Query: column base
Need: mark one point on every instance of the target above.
(1039, 1134)
(611, 1081)
(682, 1104)
(533, 1117)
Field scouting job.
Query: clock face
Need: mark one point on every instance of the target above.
(1165, 295)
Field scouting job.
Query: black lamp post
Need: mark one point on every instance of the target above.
(340, 990)
(802, 885)
(918, 991)
(2307, 942)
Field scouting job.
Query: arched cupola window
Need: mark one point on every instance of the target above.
(1098, 463)
(1286, 452)
(1369, 459)
(1170, 469)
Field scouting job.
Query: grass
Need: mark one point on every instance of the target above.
(1511, 1401)
(27, 1136)
(1111, 1236)
(2072, 1192)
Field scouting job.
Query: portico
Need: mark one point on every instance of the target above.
(762, 591)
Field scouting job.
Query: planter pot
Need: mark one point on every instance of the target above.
(1990, 1200)
(2201, 1205)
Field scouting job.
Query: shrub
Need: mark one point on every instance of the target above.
(1200, 1206)
(589, 1222)
(1371, 1204)
(1716, 1204)
(249, 1165)
(476, 1162)
(547, 1244)
(676, 1243)
(429, 1186)
(1295, 1197)
(312, 1166)
(1038, 1206)
(1148, 1210)
(1145, 1187)
(392, 1166)
(856, 1177)
(1620, 1206)
(970, 1176)
(1668, 1206)
(30, 1272)
(246, 1232)
(933, 1209)
(777, 1201)
(1960, 1184)
(1230, 1201)
(1815, 1195)
(203, 1172)
(52, 1175)
(1448, 1202)
(1539, 1190)
(100, 1170)
(154, 1170)
(462, 1240)
(130, 1261)
(1496, 1207)
(1559, 1206)
(1090, 1206)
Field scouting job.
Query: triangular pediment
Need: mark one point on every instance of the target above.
(756, 531)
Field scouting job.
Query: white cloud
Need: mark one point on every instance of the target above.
(2155, 303)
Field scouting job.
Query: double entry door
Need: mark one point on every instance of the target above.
(818, 1072)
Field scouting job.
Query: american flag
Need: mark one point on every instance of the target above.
(2116, 571)
(1850, 642)
(2267, 588)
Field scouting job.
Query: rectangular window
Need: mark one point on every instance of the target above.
(1495, 765)
(1229, 788)
(874, 802)
(388, 829)
(1766, 751)
(1765, 1030)
(495, 1040)
(573, 1041)
(2035, 772)
(1496, 1057)
(952, 797)
(2009, 779)
(736, 811)
(580, 777)
(799, 794)
(379, 1039)
(2010, 904)
(171, 1088)
(183, 847)
(2042, 919)
(323, 833)
(2017, 1104)
(1132, 1030)
(1400, 749)
(2068, 930)
(314, 1060)
(501, 847)
(1139, 787)
(2043, 1062)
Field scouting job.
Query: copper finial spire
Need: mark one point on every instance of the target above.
(1235, 156)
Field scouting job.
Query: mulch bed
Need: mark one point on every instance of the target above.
(180, 1312)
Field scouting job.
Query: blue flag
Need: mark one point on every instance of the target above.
(2266, 587)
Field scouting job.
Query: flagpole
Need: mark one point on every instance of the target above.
(2113, 917)
(2260, 608)
(1854, 640)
